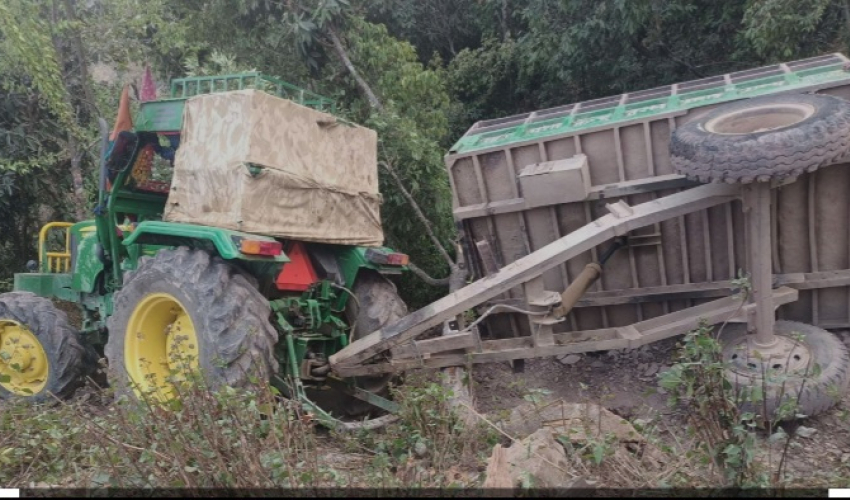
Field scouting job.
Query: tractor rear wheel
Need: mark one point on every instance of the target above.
(183, 313)
(41, 356)
(377, 305)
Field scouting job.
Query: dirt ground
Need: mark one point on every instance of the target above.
(625, 382)
(621, 381)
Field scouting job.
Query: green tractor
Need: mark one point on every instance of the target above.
(161, 299)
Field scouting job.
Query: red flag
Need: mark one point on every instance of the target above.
(123, 121)
(148, 86)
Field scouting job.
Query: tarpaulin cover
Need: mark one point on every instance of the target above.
(253, 162)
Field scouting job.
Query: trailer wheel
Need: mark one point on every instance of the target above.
(41, 355)
(379, 306)
(817, 368)
(182, 314)
(762, 139)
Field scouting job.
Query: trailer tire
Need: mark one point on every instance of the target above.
(379, 306)
(228, 319)
(61, 350)
(762, 139)
(823, 388)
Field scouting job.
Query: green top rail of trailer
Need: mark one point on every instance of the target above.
(166, 115)
(617, 110)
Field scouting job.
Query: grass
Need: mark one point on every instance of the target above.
(249, 438)
(229, 439)
(253, 438)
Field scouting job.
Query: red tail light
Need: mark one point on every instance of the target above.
(385, 258)
(266, 248)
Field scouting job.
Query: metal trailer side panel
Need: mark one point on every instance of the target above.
(680, 262)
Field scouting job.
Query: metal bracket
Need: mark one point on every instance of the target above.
(547, 320)
(620, 209)
(546, 299)
(369, 397)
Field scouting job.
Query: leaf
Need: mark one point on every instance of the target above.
(598, 454)
(101, 478)
(777, 436)
(732, 450)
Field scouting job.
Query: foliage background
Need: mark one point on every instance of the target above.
(434, 66)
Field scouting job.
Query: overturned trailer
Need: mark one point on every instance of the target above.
(545, 199)
(518, 186)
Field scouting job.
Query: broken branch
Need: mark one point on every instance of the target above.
(426, 277)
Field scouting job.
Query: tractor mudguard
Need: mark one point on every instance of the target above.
(225, 242)
(87, 259)
(349, 260)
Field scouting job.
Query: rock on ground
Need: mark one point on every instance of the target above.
(581, 424)
(578, 421)
(538, 461)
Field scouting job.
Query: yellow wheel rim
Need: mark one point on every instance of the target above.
(161, 346)
(24, 367)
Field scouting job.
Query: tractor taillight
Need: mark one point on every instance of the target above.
(398, 259)
(255, 247)
(384, 258)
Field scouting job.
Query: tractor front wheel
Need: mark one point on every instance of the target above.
(41, 356)
(183, 313)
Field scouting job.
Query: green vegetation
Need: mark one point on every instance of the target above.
(249, 438)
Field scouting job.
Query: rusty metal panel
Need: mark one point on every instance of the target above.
(625, 140)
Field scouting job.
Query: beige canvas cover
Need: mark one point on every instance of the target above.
(318, 178)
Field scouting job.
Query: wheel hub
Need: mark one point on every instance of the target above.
(161, 346)
(24, 367)
(760, 119)
(786, 355)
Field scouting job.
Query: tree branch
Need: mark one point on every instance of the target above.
(77, 42)
(457, 279)
(458, 268)
(506, 34)
(346, 61)
(426, 277)
(73, 148)
(847, 13)
(421, 215)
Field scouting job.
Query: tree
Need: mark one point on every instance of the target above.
(780, 29)
(31, 174)
(444, 27)
(34, 47)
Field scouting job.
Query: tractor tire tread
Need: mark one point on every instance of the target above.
(819, 140)
(380, 306)
(233, 316)
(60, 341)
